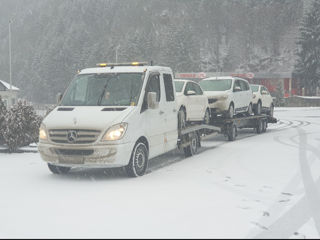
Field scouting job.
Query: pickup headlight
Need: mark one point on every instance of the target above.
(116, 132)
(43, 133)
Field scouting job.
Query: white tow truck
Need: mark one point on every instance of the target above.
(122, 115)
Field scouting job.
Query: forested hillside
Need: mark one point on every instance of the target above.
(52, 39)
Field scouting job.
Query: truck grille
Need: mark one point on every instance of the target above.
(73, 136)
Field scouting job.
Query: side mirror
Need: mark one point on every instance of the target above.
(152, 100)
(190, 93)
(59, 97)
(264, 92)
(237, 89)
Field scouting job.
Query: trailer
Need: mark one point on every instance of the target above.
(190, 136)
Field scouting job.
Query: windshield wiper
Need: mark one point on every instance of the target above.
(104, 90)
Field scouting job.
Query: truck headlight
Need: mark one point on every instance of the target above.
(116, 132)
(43, 133)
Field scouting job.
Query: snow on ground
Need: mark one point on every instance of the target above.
(258, 186)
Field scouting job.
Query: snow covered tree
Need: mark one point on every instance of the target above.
(21, 126)
(307, 67)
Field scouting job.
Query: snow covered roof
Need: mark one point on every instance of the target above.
(7, 86)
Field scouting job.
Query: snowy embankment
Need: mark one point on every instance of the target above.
(258, 186)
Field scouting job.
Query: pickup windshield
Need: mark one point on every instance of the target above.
(254, 88)
(179, 86)
(216, 85)
(111, 89)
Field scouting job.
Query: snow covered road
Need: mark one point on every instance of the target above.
(263, 186)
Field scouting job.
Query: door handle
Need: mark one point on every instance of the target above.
(161, 112)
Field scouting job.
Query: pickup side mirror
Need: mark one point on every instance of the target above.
(152, 100)
(237, 89)
(59, 97)
(190, 93)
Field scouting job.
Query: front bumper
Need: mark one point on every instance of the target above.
(219, 106)
(103, 156)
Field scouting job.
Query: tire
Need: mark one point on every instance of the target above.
(258, 109)
(265, 126)
(139, 161)
(58, 170)
(271, 111)
(232, 132)
(230, 112)
(250, 109)
(192, 149)
(181, 119)
(259, 128)
(206, 119)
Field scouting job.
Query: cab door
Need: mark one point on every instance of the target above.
(170, 113)
(153, 119)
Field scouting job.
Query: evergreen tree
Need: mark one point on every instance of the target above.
(307, 67)
(21, 126)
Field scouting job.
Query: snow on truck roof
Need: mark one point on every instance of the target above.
(124, 69)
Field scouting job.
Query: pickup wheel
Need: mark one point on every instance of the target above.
(139, 161)
(181, 118)
(230, 112)
(258, 108)
(192, 149)
(206, 119)
(58, 170)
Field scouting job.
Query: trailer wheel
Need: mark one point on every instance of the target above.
(259, 128)
(58, 170)
(265, 126)
(192, 149)
(139, 161)
(232, 132)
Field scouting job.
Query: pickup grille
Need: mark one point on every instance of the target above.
(82, 136)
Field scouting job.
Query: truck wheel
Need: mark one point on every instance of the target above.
(139, 161)
(271, 111)
(259, 128)
(58, 170)
(265, 126)
(192, 149)
(232, 132)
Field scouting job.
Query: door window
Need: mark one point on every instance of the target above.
(236, 84)
(153, 85)
(168, 85)
(197, 89)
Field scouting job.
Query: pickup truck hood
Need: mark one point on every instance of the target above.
(95, 118)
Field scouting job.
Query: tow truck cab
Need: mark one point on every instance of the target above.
(113, 115)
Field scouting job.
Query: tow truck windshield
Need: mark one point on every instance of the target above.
(111, 89)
